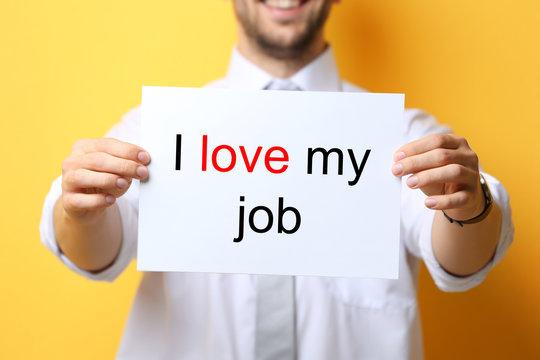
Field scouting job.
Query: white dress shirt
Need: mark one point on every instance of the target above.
(212, 316)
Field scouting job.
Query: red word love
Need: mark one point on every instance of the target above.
(273, 158)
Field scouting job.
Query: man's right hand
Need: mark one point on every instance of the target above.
(87, 228)
(97, 172)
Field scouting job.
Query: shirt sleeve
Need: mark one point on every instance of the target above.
(127, 130)
(418, 220)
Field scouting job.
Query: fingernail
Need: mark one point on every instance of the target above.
(121, 183)
(143, 157)
(109, 199)
(142, 172)
(399, 156)
(412, 181)
(397, 169)
(430, 203)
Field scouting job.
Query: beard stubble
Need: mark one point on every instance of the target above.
(278, 48)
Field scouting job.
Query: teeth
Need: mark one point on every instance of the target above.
(283, 4)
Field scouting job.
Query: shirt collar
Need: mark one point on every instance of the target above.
(319, 75)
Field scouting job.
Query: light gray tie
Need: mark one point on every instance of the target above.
(280, 84)
(275, 332)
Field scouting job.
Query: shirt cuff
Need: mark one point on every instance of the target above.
(129, 236)
(451, 283)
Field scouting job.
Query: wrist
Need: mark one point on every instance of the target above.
(83, 217)
(486, 205)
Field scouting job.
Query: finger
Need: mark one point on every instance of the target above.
(113, 147)
(427, 143)
(78, 202)
(448, 174)
(107, 163)
(446, 202)
(428, 160)
(106, 182)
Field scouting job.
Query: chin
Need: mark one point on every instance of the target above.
(283, 28)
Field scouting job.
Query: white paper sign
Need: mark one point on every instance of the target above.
(270, 182)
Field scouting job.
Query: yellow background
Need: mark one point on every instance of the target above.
(70, 69)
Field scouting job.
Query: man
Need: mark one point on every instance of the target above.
(90, 219)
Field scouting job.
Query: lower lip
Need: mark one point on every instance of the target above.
(285, 13)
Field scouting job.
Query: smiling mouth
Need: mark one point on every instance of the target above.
(284, 4)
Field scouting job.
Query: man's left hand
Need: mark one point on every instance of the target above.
(445, 168)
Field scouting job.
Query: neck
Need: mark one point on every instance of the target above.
(279, 67)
